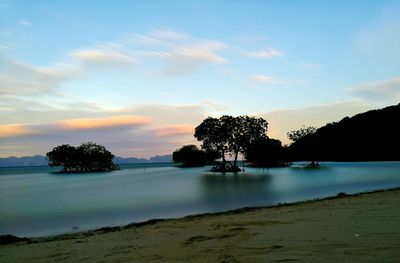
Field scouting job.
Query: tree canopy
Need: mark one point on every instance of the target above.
(230, 135)
(300, 133)
(191, 156)
(88, 157)
(368, 136)
(267, 153)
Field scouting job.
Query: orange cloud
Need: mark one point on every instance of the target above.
(12, 130)
(175, 130)
(105, 122)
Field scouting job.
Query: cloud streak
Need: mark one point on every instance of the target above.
(111, 122)
(14, 130)
(20, 79)
(25, 22)
(162, 52)
(142, 130)
(265, 53)
(263, 79)
(175, 130)
(387, 90)
(179, 53)
(103, 57)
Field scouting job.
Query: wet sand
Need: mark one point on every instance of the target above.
(359, 228)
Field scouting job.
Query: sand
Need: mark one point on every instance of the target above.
(360, 228)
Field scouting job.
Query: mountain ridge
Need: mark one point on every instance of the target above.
(40, 160)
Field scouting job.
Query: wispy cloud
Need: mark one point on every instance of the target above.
(115, 121)
(25, 22)
(388, 90)
(179, 53)
(202, 52)
(102, 56)
(309, 66)
(161, 37)
(271, 80)
(20, 79)
(175, 130)
(265, 53)
(141, 130)
(161, 52)
(15, 130)
(263, 79)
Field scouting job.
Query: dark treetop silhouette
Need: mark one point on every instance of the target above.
(301, 133)
(88, 157)
(298, 134)
(267, 153)
(230, 135)
(191, 156)
(368, 136)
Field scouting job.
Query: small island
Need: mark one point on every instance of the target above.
(88, 157)
(221, 137)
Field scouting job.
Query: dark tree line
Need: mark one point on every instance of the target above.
(88, 157)
(224, 137)
(192, 156)
(369, 136)
(267, 153)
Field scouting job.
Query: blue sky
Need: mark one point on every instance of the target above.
(138, 76)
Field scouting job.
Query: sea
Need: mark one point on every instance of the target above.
(39, 201)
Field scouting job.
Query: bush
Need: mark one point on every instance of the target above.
(190, 156)
(88, 157)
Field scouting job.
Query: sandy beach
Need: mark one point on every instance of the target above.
(358, 228)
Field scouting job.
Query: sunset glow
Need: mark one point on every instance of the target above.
(139, 76)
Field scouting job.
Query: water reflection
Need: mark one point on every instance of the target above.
(229, 190)
(33, 201)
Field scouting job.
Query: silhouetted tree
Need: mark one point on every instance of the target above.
(189, 156)
(63, 155)
(245, 131)
(300, 133)
(231, 135)
(88, 157)
(303, 135)
(211, 156)
(266, 153)
(214, 134)
(368, 136)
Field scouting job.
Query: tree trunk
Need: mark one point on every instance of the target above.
(235, 161)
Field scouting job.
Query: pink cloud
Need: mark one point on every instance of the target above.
(115, 121)
(175, 130)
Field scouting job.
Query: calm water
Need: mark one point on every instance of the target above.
(35, 201)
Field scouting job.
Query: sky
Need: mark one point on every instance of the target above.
(139, 76)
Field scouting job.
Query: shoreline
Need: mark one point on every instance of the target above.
(108, 229)
(356, 226)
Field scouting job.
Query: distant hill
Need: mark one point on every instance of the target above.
(369, 136)
(154, 159)
(36, 160)
(40, 160)
(122, 160)
(161, 159)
